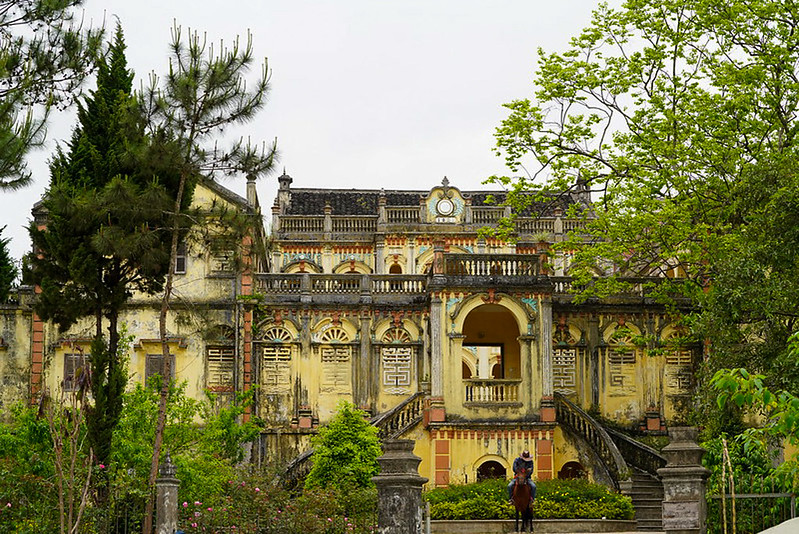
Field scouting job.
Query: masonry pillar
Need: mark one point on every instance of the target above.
(684, 483)
(166, 505)
(547, 395)
(399, 489)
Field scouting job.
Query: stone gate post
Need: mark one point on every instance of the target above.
(399, 489)
(166, 499)
(684, 483)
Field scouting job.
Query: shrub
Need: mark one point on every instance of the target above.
(250, 504)
(555, 499)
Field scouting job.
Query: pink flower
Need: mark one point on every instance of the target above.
(185, 504)
(196, 514)
(257, 489)
(194, 525)
(8, 505)
(329, 519)
(197, 503)
(210, 509)
(102, 466)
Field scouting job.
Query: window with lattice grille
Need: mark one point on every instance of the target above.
(276, 367)
(221, 364)
(397, 369)
(621, 369)
(336, 366)
(679, 370)
(564, 370)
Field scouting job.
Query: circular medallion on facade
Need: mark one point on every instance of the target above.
(445, 207)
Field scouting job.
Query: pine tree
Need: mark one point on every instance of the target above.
(8, 271)
(105, 234)
(204, 92)
(44, 57)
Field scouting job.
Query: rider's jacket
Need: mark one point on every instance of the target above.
(519, 464)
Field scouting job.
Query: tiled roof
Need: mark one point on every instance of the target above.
(365, 201)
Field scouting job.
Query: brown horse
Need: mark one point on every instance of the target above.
(521, 501)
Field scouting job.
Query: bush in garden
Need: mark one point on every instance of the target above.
(345, 451)
(555, 499)
(251, 504)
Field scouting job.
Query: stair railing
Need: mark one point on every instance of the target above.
(578, 421)
(403, 416)
(637, 454)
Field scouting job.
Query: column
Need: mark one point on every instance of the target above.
(166, 504)
(547, 398)
(684, 483)
(399, 489)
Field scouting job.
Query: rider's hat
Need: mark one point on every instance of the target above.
(526, 455)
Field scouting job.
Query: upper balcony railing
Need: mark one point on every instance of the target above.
(312, 284)
(522, 265)
(474, 217)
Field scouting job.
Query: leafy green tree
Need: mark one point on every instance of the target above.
(345, 451)
(204, 92)
(44, 56)
(8, 270)
(680, 118)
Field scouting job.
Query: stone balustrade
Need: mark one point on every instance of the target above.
(489, 391)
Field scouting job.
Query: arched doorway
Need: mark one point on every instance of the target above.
(572, 470)
(490, 469)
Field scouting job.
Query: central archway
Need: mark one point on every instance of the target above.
(491, 345)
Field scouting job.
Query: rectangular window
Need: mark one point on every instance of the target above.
(276, 367)
(221, 363)
(74, 365)
(180, 259)
(154, 365)
(336, 367)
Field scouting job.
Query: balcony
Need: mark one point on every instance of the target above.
(491, 391)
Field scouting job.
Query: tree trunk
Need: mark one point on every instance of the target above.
(166, 366)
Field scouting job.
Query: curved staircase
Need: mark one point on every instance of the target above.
(632, 466)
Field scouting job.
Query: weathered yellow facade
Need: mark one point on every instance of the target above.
(394, 301)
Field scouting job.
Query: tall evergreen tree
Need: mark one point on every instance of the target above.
(204, 92)
(44, 57)
(8, 271)
(105, 236)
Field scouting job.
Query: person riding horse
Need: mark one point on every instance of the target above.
(523, 462)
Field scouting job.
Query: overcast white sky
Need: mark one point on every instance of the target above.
(365, 93)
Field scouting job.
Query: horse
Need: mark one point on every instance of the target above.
(521, 501)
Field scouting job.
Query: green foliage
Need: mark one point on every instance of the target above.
(655, 107)
(555, 499)
(345, 451)
(251, 504)
(203, 453)
(204, 444)
(44, 56)
(8, 270)
(26, 474)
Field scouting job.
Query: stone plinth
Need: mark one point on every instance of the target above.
(684, 483)
(166, 503)
(399, 489)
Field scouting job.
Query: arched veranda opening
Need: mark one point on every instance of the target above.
(491, 347)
